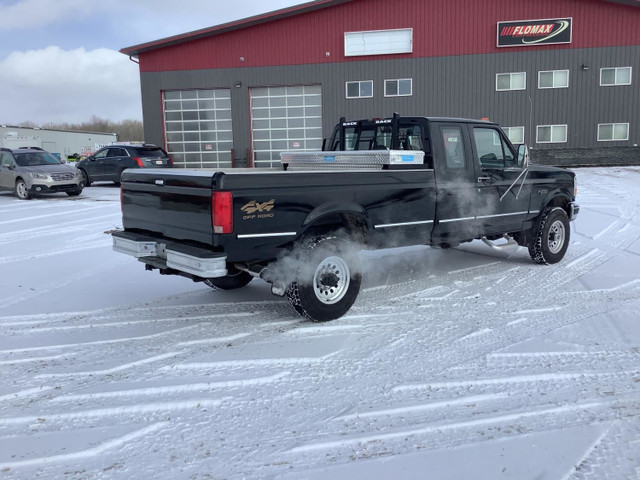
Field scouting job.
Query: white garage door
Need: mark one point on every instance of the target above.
(198, 127)
(285, 118)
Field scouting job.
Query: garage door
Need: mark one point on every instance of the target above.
(198, 127)
(285, 118)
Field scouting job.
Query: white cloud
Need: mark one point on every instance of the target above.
(55, 85)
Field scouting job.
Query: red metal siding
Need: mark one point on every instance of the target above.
(453, 27)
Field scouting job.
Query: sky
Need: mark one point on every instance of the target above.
(60, 59)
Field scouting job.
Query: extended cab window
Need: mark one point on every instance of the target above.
(493, 151)
(453, 147)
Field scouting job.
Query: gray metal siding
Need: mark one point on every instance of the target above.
(462, 86)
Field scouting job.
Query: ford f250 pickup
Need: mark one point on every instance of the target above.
(376, 184)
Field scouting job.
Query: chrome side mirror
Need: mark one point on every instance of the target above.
(523, 155)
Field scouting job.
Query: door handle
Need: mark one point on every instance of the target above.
(484, 179)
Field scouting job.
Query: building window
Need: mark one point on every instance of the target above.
(514, 134)
(611, 132)
(553, 79)
(551, 134)
(378, 42)
(615, 76)
(402, 87)
(361, 89)
(198, 127)
(511, 81)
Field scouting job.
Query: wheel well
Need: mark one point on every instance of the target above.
(559, 201)
(354, 226)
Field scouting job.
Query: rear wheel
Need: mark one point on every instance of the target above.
(328, 279)
(234, 279)
(21, 190)
(550, 237)
(85, 178)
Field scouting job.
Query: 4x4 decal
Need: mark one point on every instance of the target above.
(253, 206)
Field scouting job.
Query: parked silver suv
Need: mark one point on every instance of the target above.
(32, 171)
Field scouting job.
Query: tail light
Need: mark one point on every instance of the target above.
(170, 160)
(222, 212)
(138, 161)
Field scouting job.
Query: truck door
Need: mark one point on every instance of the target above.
(502, 186)
(456, 183)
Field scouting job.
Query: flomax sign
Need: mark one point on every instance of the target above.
(534, 32)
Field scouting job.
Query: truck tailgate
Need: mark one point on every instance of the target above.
(173, 204)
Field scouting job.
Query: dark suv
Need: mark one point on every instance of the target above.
(108, 163)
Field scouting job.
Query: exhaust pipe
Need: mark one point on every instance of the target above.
(278, 287)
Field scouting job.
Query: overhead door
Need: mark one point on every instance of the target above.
(285, 118)
(198, 127)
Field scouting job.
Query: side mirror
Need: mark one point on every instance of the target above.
(523, 155)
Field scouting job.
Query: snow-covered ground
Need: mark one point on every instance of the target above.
(453, 364)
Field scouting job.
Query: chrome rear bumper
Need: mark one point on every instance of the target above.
(196, 261)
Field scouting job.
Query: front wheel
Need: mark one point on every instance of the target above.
(21, 190)
(550, 237)
(76, 192)
(327, 280)
(86, 182)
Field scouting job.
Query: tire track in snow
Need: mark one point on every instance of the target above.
(88, 453)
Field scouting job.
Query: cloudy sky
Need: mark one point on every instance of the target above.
(60, 60)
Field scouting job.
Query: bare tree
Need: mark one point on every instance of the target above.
(127, 130)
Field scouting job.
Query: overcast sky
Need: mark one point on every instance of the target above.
(60, 60)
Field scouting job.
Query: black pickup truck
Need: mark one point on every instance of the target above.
(377, 184)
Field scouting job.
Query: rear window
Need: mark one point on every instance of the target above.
(156, 152)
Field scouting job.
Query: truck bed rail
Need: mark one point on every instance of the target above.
(346, 160)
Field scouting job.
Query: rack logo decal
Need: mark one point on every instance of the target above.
(534, 32)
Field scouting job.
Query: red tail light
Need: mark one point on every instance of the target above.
(222, 212)
(138, 161)
(170, 160)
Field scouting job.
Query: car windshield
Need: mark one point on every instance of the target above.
(150, 152)
(35, 159)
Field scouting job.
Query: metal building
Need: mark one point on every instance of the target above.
(560, 75)
(62, 142)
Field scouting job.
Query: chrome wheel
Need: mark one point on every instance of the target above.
(331, 280)
(556, 236)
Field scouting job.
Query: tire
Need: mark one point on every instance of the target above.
(327, 279)
(85, 178)
(550, 237)
(21, 190)
(75, 193)
(235, 279)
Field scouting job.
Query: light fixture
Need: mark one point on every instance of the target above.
(238, 84)
(585, 67)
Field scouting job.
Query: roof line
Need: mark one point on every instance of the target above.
(135, 50)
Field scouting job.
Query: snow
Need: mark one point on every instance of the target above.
(458, 363)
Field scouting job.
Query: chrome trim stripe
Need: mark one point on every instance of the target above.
(448, 220)
(503, 215)
(405, 224)
(265, 235)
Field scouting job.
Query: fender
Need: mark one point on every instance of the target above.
(329, 209)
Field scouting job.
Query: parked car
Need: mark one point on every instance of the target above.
(108, 163)
(32, 171)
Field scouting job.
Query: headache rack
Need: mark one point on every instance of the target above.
(353, 160)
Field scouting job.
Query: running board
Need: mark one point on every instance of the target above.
(511, 243)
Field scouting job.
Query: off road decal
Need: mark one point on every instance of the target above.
(255, 209)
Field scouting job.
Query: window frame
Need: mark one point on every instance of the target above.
(613, 125)
(615, 69)
(554, 77)
(510, 89)
(359, 82)
(566, 133)
(506, 129)
(398, 80)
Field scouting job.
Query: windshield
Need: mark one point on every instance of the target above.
(149, 152)
(35, 159)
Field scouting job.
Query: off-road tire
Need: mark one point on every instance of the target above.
(21, 190)
(328, 278)
(235, 279)
(550, 236)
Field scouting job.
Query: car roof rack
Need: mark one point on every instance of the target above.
(5, 150)
(31, 148)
